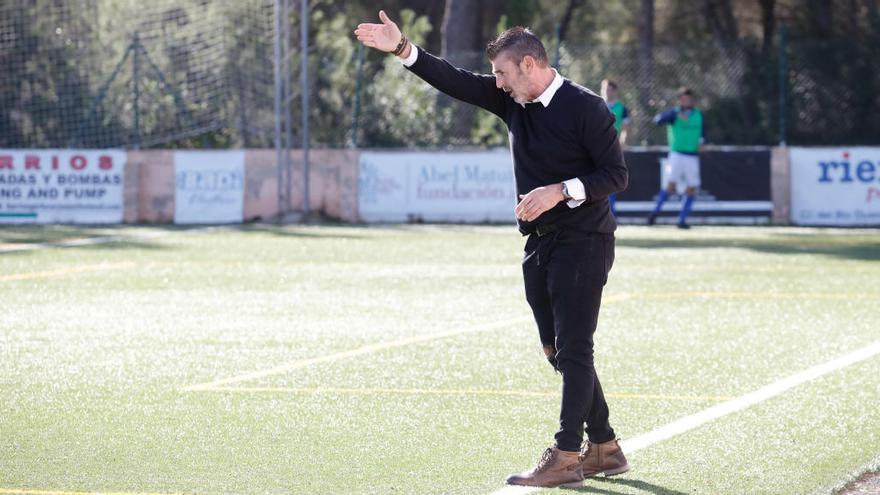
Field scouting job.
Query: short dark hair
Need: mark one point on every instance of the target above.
(517, 42)
(684, 90)
(610, 83)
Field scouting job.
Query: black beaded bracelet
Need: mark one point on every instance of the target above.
(401, 46)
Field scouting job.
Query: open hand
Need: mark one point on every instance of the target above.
(384, 37)
(537, 201)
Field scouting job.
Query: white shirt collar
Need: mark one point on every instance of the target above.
(545, 97)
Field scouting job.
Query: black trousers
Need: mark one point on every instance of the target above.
(564, 274)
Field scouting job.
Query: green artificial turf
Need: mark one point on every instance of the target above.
(101, 345)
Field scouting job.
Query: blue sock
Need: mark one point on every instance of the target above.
(685, 208)
(612, 199)
(661, 198)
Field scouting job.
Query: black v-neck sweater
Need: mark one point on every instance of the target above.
(572, 137)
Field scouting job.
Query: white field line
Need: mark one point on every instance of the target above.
(688, 423)
(90, 241)
(367, 349)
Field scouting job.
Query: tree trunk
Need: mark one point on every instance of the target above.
(873, 12)
(822, 17)
(722, 24)
(852, 18)
(461, 46)
(566, 17)
(719, 18)
(646, 65)
(768, 24)
(461, 28)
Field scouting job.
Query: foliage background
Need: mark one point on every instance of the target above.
(199, 74)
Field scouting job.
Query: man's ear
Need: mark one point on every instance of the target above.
(528, 63)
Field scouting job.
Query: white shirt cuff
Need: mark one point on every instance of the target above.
(576, 190)
(413, 56)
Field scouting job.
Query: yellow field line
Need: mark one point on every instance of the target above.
(447, 391)
(367, 349)
(371, 348)
(717, 398)
(62, 492)
(66, 271)
(622, 296)
(757, 295)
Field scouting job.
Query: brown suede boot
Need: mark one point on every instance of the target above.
(605, 458)
(556, 468)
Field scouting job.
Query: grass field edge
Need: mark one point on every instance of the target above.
(838, 487)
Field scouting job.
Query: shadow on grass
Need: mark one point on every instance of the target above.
(297, 231)
(16, 238)
(594, 485)
(24, 239)
(34, 234)
(50, 233)
(864, 248)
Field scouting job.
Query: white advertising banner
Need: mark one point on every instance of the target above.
(209, 187)
(61, 186)
(835, 186)
(436, 187)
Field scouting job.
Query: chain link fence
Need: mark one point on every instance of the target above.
(830, 91)
(200, 74)
(122, 73)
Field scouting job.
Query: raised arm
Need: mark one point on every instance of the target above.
(666, 118)
(476, 89)
(624, 127)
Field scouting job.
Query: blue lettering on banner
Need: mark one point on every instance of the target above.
(209, 180)
(462, 182)
(841, 171)
(865, 171)
(474, 173)
(432, 174)
(44, 193)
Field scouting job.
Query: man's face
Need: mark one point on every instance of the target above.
(686, 101)
(511, 78)
(609, 92)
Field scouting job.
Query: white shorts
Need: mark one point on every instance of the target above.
(682, 169)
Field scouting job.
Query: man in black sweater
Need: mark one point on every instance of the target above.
(567, 161)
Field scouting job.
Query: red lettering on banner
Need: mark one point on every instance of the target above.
(6, 162)
(105, 162)
(54, 162)
(873, 193)
(78, 162)
(32, 162)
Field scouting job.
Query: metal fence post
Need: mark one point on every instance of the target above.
(136, 88)
(286, 101)
(278, 80)
(357, 96)
(558, 35)
(304, 50)
(783, 78)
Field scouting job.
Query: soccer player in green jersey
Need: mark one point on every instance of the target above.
(610, 93)
(686, 136)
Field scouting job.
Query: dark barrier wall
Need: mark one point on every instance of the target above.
(735, 188)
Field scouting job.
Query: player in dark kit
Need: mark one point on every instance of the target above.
(567, 161)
